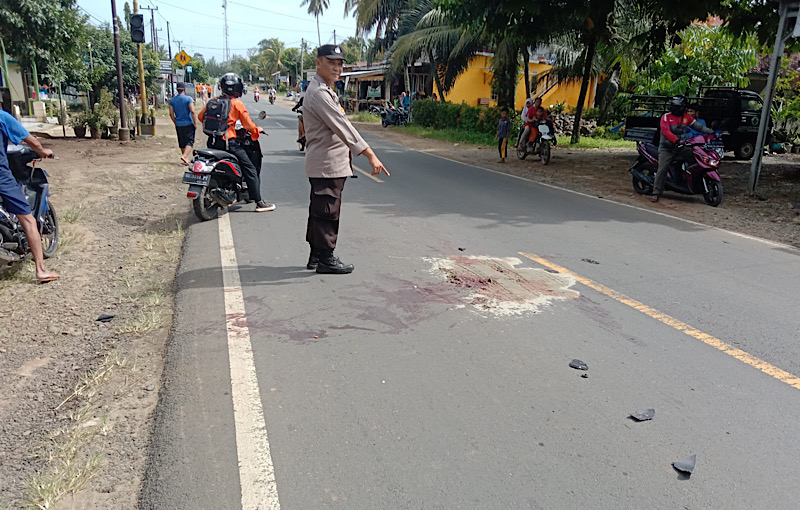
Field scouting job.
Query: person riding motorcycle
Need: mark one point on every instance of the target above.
(232, 88)
(272, 93)
(674, 125)
(301, 129)
(256, 94)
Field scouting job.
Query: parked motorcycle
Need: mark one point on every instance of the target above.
(216, 180)
(686, 177)
(13, 243)
(394, 117)
(539, 145)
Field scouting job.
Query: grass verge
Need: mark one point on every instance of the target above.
(448, 135)
(589, 142)
(365, 117)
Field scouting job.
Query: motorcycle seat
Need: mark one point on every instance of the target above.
(651, 148)
(21, 154)
(215, 154)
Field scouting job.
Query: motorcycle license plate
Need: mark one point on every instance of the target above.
(193, 178)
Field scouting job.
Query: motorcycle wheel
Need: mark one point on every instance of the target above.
(384, 123)
(49, 232)
(544, 152)
(205, 208)
(714, 195)
(521, 152)
(643, 187)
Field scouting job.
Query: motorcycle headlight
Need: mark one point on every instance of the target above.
(710, 161)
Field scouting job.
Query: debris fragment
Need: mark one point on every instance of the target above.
(585, 376)
(500, 268)
(645, 415)
(461, 249)
(149, 387)
(105, 318)
(590, 261)
(551, 270)
(686, 465)
(578, 365)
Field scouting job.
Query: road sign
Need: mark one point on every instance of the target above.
(183, 58)
(180, 73)
(165, 66)
(189, 69)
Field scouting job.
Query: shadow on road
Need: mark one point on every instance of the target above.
(251, 276)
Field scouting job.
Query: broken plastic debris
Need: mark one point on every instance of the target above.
(500, 268)
(578, 365)
(590, 261)
(647, 414)
(461, 249)
(585, 376)
(686, 465)
(105, 318)
(150, 387)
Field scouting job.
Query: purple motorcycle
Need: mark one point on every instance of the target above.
(687, 177)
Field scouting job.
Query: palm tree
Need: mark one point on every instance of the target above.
(427, 34)
(316, 7)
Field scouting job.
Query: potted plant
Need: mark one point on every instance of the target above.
(78, 122)
(97, 124)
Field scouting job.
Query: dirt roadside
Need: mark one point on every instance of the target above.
(773, 213)
(78, 394)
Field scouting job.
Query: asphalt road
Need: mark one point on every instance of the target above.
(391, 388)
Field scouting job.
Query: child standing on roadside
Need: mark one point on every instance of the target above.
(503, 129)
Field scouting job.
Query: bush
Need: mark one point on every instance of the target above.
(591, 113)
(438, 115)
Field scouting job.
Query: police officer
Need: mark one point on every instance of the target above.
(331, 142)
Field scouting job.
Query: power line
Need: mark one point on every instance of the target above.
(289, 15)
(229, 21)
(92, 15)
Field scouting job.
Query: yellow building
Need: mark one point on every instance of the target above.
(474, 88)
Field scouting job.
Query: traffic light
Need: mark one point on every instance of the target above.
(137, 28)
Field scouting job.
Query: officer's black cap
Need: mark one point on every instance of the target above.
(331, 51)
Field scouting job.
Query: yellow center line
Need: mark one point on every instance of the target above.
(745, 357)
(367, 174)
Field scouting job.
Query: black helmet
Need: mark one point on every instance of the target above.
(231, 85)
(678, 104)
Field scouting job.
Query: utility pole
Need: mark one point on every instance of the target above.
(180, 45)
(334, 37)
(169, 49)
(124, 133)
(225, 29)
(153, 31)
(302, 52)
(142, 88)
(787, 10)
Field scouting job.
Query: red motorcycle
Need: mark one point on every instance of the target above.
(686, 177)
(256, 94)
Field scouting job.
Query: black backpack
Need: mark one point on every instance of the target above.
(215, 119)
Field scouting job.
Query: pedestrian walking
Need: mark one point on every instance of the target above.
(181, 111)
(331, 142)
(503, 129)
(204, 94)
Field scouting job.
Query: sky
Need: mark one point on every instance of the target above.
(198, 23)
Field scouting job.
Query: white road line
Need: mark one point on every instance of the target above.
(773, 244)
(256, 472)
(279, 124)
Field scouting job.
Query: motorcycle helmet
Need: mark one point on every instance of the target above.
(231, 85)
(678, 104)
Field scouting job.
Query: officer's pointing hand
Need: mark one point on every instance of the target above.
(377, 166)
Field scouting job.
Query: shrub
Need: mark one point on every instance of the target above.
(591, 113)
(477, 119)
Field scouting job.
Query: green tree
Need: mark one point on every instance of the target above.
(128, 12)
(49, 34)
(704, 56)
(355, 49)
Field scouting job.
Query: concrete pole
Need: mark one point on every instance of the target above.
(769, 94)
(142, 88)
(169, 49)
(124, 133)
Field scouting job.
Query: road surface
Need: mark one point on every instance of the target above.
(416, 382)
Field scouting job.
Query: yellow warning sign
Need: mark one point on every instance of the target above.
(183, 58)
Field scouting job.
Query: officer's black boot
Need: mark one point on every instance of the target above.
(313, 259)
(330, 264)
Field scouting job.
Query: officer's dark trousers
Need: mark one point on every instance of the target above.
(249, 172)
(323, 213)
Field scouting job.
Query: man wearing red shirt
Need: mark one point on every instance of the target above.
(674, 126)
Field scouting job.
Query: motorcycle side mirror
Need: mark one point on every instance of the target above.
(262, 115)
